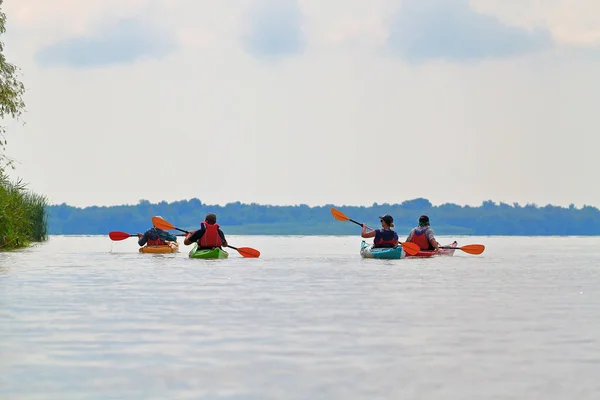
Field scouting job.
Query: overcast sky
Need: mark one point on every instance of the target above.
(308, 101)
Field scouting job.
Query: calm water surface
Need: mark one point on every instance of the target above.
(87, 318)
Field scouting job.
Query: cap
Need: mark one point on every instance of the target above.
(423, 219)
(388, 219)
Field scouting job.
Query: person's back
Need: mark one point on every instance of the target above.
(208, 236)
(385, 236)
(423, 235)
(155, 237)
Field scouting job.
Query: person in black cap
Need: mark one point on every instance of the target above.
(384, 237)
(423, 235)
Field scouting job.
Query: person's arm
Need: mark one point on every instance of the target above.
(410, 235)
(142, 239)
(366, 234)
(194, 236)
(222, 235)
(431, 237)
(396, 240)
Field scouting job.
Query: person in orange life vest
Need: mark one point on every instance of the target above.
(384, 237)
(155, 237)
(423, 235)
(208, 236)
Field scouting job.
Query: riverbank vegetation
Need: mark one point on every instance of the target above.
(23, 216)
(22, 212)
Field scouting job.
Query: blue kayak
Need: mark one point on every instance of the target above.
(392, 253)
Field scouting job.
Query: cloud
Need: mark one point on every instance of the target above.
(124, 42)
(274, 28)
(452, 30)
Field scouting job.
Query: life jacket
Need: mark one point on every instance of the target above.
(154, 238)
(384, 238)
(211, 236)
(419, 238)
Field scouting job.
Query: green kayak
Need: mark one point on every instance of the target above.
(207, 253)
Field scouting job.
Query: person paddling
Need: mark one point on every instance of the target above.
(155, 237)
(423, 235)
(208, 236)
(384, 237)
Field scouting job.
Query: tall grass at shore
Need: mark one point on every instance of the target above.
(23, 217)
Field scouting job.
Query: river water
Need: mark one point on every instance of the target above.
(82, 317)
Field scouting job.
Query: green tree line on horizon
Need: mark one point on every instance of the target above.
(489, 218)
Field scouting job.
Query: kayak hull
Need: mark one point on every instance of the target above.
(395, 253)
(207, 254)
(432, 253)
(170, 247)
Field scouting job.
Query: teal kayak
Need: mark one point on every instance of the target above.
(388, 253)
(207, 253)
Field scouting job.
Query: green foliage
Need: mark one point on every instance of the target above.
(22, 213)
(237, 218)
(11, 92)
(23, 217)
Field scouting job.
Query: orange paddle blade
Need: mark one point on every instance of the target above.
(248, 252)
(411, 248)
(340, 216)
(118, 235)
(162, 224)
(473, 248)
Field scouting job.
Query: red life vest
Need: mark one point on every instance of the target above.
(157, 242)
(420, 239)
(211, 236)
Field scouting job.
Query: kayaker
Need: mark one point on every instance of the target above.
(384, 237)
(155, 237)
(423, 235)
(208, 236)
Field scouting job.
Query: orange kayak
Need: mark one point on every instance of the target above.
(170, 247)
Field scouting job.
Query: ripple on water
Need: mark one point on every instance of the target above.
(83, 317)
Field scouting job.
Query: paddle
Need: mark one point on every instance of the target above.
(165, 225)
(119, 235)
(470, 248)
(410, 248)
(115, 235)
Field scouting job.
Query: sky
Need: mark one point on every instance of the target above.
(345, 102)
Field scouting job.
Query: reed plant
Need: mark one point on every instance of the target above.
(23, 217)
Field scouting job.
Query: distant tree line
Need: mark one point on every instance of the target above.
(236, 218)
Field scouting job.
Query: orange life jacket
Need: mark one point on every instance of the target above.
(211, 236)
